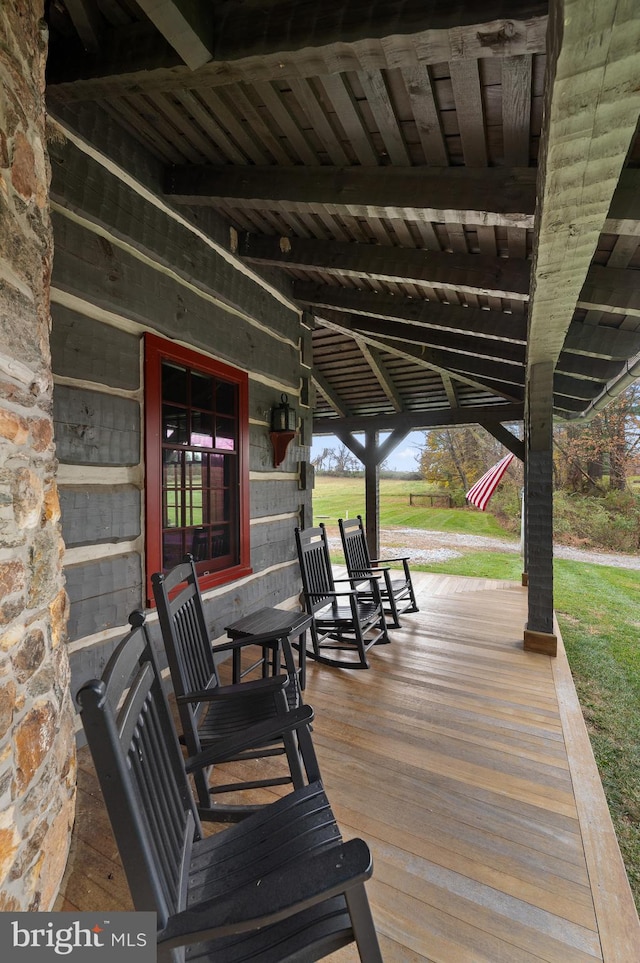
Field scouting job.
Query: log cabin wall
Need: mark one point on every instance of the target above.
(125, 265)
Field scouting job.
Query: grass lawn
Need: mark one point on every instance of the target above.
(598, 609)
(335, 498)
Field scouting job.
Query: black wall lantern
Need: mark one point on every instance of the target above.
(284, 424)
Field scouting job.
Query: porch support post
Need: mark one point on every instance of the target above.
(372, 492)
(538, 635)
(372, 455)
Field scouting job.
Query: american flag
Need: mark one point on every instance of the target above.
(480, 493)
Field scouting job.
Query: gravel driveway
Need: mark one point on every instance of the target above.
(426, 546)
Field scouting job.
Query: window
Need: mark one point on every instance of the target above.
(197, 488)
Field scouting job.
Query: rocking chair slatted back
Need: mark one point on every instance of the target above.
(396, 589)
(315, 566)
(348, 619)
(231, 718)
(129, 729)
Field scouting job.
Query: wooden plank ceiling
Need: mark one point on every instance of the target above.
(450, 200)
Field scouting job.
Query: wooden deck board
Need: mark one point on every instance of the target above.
(464, 762)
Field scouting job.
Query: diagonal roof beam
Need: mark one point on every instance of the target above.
(485, 375)
(591, 112)
(187, 25)
(87, 20)
(493, 196)
(330, 394)
(470, 273)
(374, 360)
(286, 38)
(450, 390)
(506, 438)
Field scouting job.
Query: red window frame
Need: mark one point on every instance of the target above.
(157, 350)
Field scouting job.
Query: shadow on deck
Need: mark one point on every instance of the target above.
(465, 764)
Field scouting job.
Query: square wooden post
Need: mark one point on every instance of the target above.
(539, 635)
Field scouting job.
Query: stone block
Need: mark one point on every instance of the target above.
(34, 737)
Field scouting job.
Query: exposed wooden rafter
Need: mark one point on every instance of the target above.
(501, 380)
(281, 39)
(187, 25)
(411, 311)
(377, 365)
(473, 273)
(495, 196)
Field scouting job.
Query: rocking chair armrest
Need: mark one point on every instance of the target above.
(357, 579)
(256, 735)
(357, 573)
(284, 892)
(240, 690)
(332, 595)
(383, 561)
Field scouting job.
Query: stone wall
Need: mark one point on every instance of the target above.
(37, 756)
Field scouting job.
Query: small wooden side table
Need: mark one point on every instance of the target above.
(289, 626)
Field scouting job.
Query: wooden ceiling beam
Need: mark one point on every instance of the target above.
(470, 273)
(577, 388)
(411, 311)
(591, 114)
(494, 196)
(187, 25)
(287, 39)
(600, 341)
(436, 338)
(412, 420)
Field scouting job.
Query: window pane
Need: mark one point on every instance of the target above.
(219, 542)
(202, 390)
(225, 434)
(201, 429)
(172, 489)
(174, 425)
(173, 550)
(174, 383)
(226, 398)
(216, 468)
(218, 507)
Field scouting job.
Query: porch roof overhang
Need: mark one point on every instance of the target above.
(450, 202)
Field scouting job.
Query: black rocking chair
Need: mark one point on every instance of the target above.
(211, 714)
(346, 621)
(281, 885)
(397, 593)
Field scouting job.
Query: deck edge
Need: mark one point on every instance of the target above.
(616, 914)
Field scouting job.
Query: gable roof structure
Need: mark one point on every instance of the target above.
(450, 201)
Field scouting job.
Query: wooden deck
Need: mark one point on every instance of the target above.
(465, 764)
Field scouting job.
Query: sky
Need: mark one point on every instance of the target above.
(402, 458)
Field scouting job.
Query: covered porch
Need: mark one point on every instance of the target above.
(465, 763)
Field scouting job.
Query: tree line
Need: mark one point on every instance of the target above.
(590, 457)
